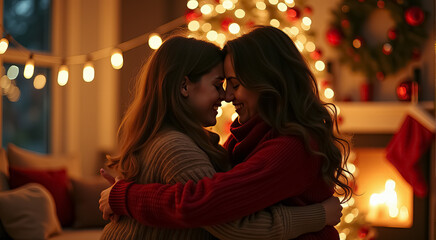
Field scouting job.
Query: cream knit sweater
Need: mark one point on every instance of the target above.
(173, 157)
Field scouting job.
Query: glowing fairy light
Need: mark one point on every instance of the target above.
(220, 9)
(29, 68)
(193, 25)
(4, 44)
(192, 4)
(206, 9)
(63, 75)
(117, 59)
(212, 35)
(234, 28)
(329, 93)
(274, 23)
(282, 7)
(239, 13)
(155, 41)
(261, 5)
(310, 46)
(206, 27)
(320, 65)
(88, 72)
(39, 81)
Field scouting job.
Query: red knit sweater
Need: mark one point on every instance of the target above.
(272, 169)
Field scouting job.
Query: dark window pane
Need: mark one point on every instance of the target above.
(29, 22)
(26, 121)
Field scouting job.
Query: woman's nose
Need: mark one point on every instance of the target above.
(229, 94)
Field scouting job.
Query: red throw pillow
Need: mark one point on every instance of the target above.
(56, 182)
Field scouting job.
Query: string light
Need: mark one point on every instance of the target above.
(220, 9)
(13, 72)
(239, 13)
(206, 27)
(206, 9)
(282, 7)
(39, 81)
(329, 93)
(88, 72)
(319, 65)
(63, 75)
(155, 41)
(4, 43)
(274, 23)
(212, 35)
(227, 4)
(261, 5)
(193, 26)
(192, 4)
(306, 21)
(273, 2)
(29, 68)
(234, 28)
(117, 59)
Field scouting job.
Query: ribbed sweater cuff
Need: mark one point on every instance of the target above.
(118, 198)
(302, 220)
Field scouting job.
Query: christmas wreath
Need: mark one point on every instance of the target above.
(402, 43)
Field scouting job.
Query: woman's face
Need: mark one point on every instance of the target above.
(244, 100)
(205, 96)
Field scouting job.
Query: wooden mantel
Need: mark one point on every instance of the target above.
(382, 117)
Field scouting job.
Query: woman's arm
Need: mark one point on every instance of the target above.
(280, 168)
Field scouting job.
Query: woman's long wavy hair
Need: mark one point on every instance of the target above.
(158, 102)
(266, 61)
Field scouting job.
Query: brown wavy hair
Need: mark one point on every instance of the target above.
(266, 61)
(158, 102)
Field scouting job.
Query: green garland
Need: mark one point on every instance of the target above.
(349, 20)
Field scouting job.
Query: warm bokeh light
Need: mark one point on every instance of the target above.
(117, 59)
(29, 68)
(14, 94)
(192, 4)
(294, 31)
(155, 41)
(319, 65)
(221, 39)
(220, 9)
(206, 27)
(234, 28)
(329, 93)
(274, 23)
(261, 5)
(63, 75)
(212, 35)
(88, 72)
(282, 7)
(193, 26)
(4, 43)
(206, 9)
(39, 81)
(13, 72)
(357, 43)
(306, 21)
(239, 13)
(227, 4)
(302, 38)
(273, 2)
(5, 82)
(310, 46)
(220, 112)
(305, 27)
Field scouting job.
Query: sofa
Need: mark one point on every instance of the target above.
(44, 197)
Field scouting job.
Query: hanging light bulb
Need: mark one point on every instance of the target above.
(39, 81)
(88, 72)
(29, 68)
(63, 75)
(117, 59)
(4, 43)
(155, 41)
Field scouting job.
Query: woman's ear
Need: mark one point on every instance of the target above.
(184, 87)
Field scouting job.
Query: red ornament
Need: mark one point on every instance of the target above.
(345, 23)
(380, 4)
(363, 232)
(316, 55)
(225, 23)
(380, 76)
(192, 15)
(392, 33)
(307, 10)
(406, 89)
(250, 24)
(414, 16)
(334, 36)
(293, 14)
(416, 54)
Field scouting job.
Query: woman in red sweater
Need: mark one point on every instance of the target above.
(283, 146)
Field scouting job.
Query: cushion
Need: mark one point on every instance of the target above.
(19, 157)
(28, 212)
(56, 182)
(4, 172)
(86, 193)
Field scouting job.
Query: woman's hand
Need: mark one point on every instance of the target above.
(104, 207)
(333, 211)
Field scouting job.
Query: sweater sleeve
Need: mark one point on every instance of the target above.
(278, 169)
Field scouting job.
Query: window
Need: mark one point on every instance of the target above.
(26, 120)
